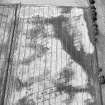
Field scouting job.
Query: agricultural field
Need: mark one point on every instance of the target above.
(52, 57)
(6, 14)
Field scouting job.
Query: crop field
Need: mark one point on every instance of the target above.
(47, 56)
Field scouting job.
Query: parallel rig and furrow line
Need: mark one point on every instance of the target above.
(52, 57)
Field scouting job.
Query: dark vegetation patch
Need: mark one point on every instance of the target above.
(26, 101)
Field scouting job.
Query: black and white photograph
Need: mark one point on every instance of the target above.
(52, 52)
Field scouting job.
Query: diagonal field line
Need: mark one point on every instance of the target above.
(9, 58)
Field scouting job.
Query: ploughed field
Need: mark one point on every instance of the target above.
(6, 26)
(51, 57)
